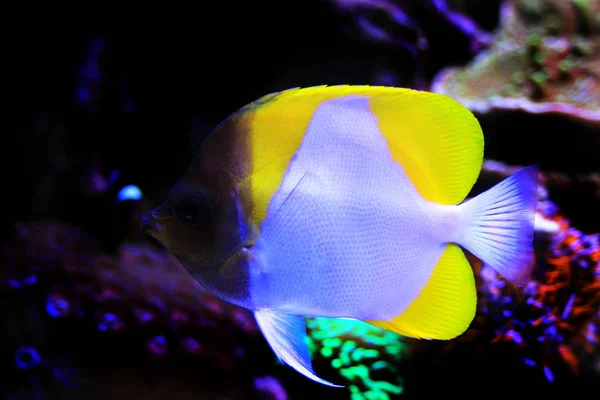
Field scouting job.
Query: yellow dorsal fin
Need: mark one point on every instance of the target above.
(277, 124)
(446, 305)
(437, 141)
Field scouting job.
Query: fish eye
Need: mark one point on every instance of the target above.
(193, 210)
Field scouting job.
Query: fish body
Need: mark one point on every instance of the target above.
(348, 202)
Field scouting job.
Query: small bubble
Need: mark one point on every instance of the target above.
(108, 321)
(191, 346)
(57, 305)
(27, 357)
(529, 362)
(144, 316)
(157, 345)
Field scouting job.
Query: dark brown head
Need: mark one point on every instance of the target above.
(202, 226)
(203, 222)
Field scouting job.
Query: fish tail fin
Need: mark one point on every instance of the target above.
(499, 225)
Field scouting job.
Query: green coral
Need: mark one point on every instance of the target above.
(539, 77)
(565, 65)
(359, 352)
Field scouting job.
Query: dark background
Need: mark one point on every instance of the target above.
(163, 81)
(164, 77)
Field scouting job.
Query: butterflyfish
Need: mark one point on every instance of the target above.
(347, 202)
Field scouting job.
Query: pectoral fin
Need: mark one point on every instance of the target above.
(286, 335)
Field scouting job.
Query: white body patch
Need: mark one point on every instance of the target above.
(347, 234)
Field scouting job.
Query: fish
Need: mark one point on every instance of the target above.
(347, 202)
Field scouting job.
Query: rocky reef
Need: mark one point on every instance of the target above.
(142, 303)
(545, 58)
(553, 321)
(539, 79)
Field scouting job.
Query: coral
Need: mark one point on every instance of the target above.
(545, 59)
(553, 321)
(372, 29)
(139, 293)
(145, 293)
(398, 15)
(368, 357)
(479, 37)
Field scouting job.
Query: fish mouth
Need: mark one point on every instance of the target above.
(218, 265)
(150, 225)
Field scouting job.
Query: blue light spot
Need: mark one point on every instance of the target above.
(129, 192)
(14, 284)
(552, 331)
(549, 374)
(27, 357)
(517, 338)
(530, 301)
(569, 306)
(57, 307)
(529, 362)
(109, 321)
(114, 175)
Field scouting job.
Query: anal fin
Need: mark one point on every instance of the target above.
(286, 335)
(445, 307)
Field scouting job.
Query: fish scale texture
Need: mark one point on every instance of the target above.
(347, 234)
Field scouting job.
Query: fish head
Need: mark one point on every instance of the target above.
(202, 222)
(207, 220)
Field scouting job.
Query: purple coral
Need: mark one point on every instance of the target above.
(138, 293)
(554, 320)
(270, 388)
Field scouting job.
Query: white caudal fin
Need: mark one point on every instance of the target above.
(499, 225)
